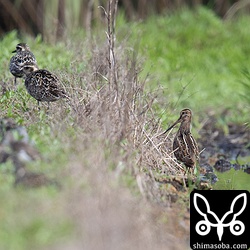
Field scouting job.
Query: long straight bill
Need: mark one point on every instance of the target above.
(179, 120)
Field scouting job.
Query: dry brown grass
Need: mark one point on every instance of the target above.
(118, 179)
(116, 144)
(112, 189)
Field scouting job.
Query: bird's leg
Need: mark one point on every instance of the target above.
(190, 171)
(47, 111)
(186, 170)
(15, 84)
(38, 104)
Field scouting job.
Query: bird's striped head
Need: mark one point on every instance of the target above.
(28, 68)
(185, 115)
(185, 118)
(21, 47)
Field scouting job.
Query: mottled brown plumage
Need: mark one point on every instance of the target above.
(28, 179)
(184, 145)
(4, 154)
(22, 57)
(43, 85)
(6, 124)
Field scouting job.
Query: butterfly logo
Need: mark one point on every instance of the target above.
(236, 227)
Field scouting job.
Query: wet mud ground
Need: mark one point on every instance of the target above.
(222, 150)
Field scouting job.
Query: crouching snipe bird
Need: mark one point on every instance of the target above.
(22, 57)
(28, 179)
(43, 85)
(184, 146)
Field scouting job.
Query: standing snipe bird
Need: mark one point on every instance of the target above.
(22, 57)
(42, 84)
(184, 146)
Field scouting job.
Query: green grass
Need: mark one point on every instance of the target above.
(232, 180)
(198, 60)
(56, 57)
(193, 59)
(28, 219)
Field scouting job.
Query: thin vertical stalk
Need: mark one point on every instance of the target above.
(111, 15)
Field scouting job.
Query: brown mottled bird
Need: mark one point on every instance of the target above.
(29, 179)
(23, 153)
(16, 146)
(22, 57)
(184, 145)
(6, 124)
(4, 154)
(43, 85)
